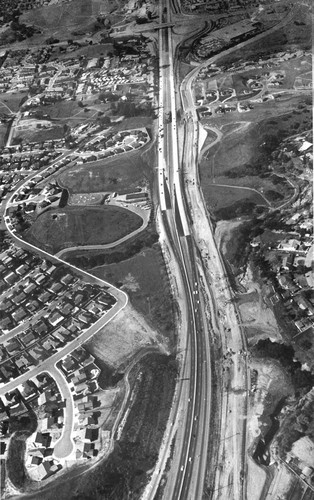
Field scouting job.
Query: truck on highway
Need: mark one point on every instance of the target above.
(168, 116)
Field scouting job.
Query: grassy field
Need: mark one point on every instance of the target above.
(253, 146)
(89, 51)
(39, 135)
(241, 159)
(108, 175)
(228, 203)
(3, 133)
(73, 226)
(75, 17)
(145, 280)
(13, 101)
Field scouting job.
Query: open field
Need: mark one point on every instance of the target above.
(38, 135)
(13, 101)
(64, 20)
(89, 51)
(70, 110)
(133, 122)
(145, 280)
(111, 175)
(253, 146)
(275, 189)
(91, 259)
(228, 203)
(3, 134)
(73, 226)
(242, 158)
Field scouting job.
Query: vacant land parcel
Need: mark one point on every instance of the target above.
(114, 175)
(144, 278)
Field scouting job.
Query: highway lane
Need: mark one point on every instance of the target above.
(197, 413)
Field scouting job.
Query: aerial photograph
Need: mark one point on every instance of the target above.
(156, 250)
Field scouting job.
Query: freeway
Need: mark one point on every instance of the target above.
(191, 448)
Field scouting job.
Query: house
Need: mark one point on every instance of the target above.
(105, 298)
(85, 406)
(18, 409)
(22, 269)
(11, 278)
(289, 246)
(78, 299)
(287, 284)
(287, 261)
(59, 335)
(66, 309)
(79, 378)
(28, 338)
(84, 318)
(69, 364)
(19, 314)
(36, 460)
(51, 269)
(28, 389)
(40, 279)
(89, 450)
(41, 328)
(50, 344)
(5, 305)
(67, 279)
(304, 304)
(12, 346)
(38, 353)
(55, 318)
(22, 362)
(55, 288)
(30, 288)
(44, 297)
(6, 323)
(91, 435)
(42, 440)
(45, 469)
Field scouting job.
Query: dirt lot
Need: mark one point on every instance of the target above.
(112, 175)
(123, 337)
(145, 280)
(75, 226)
